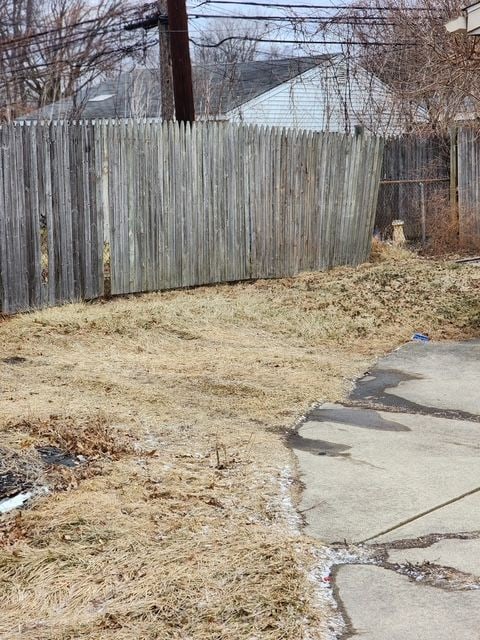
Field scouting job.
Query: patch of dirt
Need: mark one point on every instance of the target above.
(422, 542)
(435, 575)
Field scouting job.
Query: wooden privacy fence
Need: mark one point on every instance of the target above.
(51, 216)
(468, 171)
(184, 205)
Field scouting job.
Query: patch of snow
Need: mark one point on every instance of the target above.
(300, 421)
(285, 505)
(327, 558)
(321, 576)
(9, 504)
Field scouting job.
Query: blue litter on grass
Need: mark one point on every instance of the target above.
(420, 337)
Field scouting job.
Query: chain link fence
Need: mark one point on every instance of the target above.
(419, 203)
(415, 186)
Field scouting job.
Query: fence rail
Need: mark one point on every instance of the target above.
(432, 183)
(183, 206)
(415, 178)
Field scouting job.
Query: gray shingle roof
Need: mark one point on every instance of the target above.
(218, 89)
(234, 85)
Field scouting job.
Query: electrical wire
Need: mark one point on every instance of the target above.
(285, 41)
(277, 5)
(57, 30)
(17, 73)
(293, 19)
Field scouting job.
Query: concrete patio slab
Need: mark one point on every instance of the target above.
(398, 465)
(360, 481)
(382, 605)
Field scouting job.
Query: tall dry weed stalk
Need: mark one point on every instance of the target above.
(450, 231)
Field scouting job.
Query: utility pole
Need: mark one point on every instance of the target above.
(174, 52)
(165, 63)
(181, 63)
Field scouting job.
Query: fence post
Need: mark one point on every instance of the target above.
(423, 213)
(454, 179)
(399, 239)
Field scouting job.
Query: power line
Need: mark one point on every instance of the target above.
(17, 72)
(59, 30)
(315, 19)
(70, 34)
(42, 48)
(324, 42)
(276, 5)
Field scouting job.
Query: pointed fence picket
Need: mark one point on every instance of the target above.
(175, 205)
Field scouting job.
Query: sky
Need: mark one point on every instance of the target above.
(277, 31)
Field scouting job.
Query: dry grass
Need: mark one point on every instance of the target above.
(187, 537)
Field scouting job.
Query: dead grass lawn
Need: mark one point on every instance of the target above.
(182, 532)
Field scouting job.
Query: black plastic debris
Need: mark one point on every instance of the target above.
(11, 484)
(57, 457)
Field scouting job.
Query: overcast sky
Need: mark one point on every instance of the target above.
(277, 31)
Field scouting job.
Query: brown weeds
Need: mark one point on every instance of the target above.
(450, 231)
(186, 532)
(91, 437)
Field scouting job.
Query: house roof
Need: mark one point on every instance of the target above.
(234, 85)
(218, 89)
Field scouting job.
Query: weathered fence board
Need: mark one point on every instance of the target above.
(218, 203)
(182, 206)
(468, 150)
(51, 229)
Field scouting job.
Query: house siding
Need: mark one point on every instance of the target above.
(333, 98)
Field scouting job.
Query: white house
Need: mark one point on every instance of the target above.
(468, 21)
(317, 93)
(332, 96)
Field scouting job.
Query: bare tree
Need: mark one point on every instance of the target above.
(50, 50)
(220, 42)
(425, 65)
(219, 50)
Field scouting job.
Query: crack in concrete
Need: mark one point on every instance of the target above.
(435, 575)
(424, 574)
(422, 514)
(447, 414)
(423, 542)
